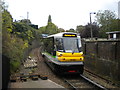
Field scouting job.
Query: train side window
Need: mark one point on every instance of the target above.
(59, 44)
(48, 45)
(79, 45)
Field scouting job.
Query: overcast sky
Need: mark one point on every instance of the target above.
(65, 14)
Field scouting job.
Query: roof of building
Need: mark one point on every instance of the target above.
(113, 32)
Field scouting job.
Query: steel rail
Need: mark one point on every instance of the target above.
(74, 88)
(89, 81)
(94, 83)
(95, 75)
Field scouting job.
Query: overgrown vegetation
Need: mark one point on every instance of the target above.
(16, 37)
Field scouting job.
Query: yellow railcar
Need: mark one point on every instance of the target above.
(62, 52)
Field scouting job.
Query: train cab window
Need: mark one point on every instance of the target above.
(59, 44)
(49, 45)
(71, 45)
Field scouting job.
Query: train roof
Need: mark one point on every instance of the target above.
(58, 35)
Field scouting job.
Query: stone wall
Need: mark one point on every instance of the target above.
(103, 58)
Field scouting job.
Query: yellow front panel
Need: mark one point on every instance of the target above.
(64, 57)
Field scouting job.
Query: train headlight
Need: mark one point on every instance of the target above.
(60, 55)
(81, 59)
(82, 54)
(63, 58)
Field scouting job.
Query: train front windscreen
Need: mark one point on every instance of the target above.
(70, 45)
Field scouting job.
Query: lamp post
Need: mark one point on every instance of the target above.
(91, 32)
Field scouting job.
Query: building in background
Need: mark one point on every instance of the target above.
(115, 35)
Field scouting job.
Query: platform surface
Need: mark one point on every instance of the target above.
(35, 84)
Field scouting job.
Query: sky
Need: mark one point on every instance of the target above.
(65, 14)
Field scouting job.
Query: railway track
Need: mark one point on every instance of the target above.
(101, 80)
(83, 82)
(95, 75)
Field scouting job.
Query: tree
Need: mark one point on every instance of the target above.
(61, 30)
(3, 6)
(115, 25)
(49, 19)
(26, 21)
(23, 31)
(86, 32)
(80, 29)
(70, 30)
(6, 21)
(105, 17)
(42, 30)
(107, 22)
(51, 28)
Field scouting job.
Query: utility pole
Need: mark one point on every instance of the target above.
(91, 32)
